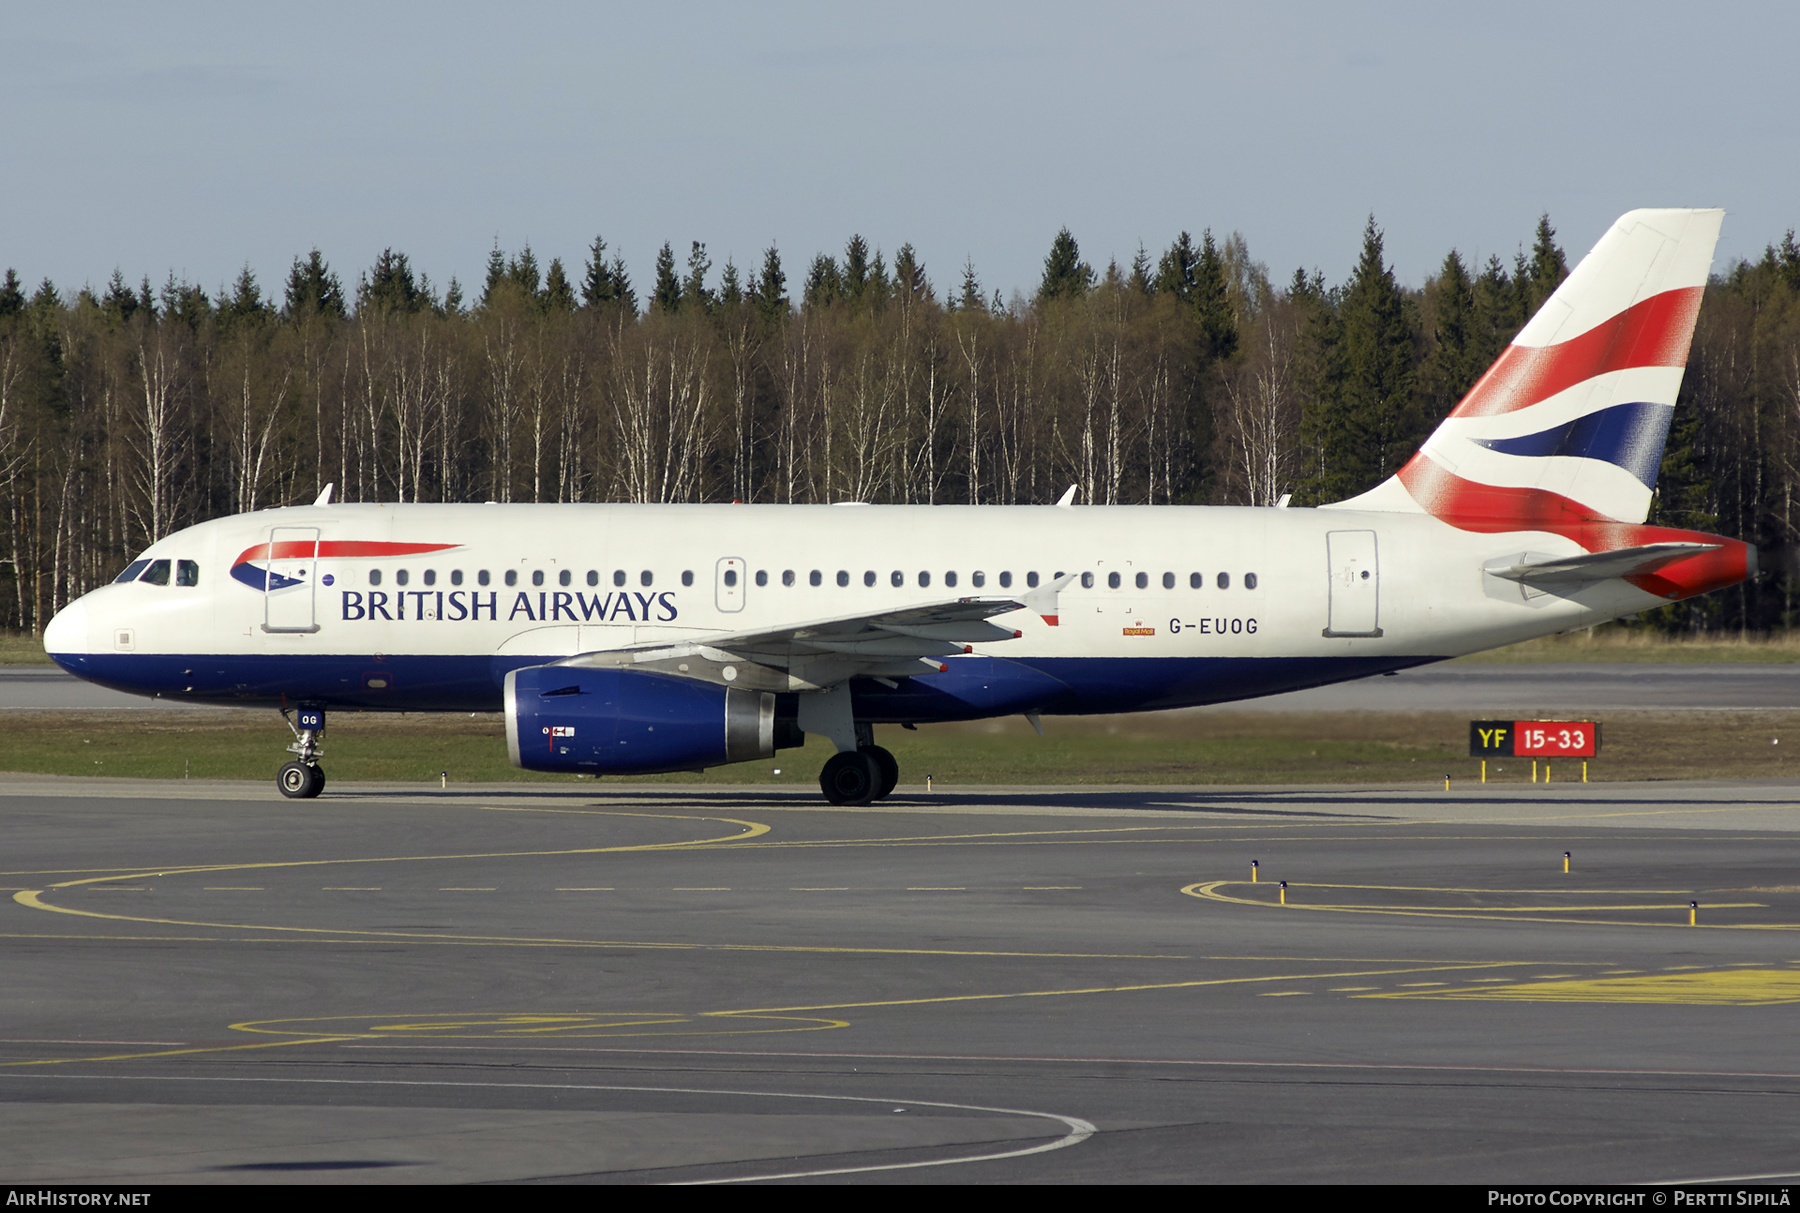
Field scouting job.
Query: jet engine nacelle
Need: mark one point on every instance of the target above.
(623, 722)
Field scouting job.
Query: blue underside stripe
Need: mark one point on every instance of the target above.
(974, 688)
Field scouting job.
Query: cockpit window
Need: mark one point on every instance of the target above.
(187, 572)
(157, 573)
(131, 572)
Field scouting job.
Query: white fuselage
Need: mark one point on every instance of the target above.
(1307, 596)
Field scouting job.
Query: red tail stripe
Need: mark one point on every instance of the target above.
(289, 549)
(1492, 509)
(1655, 332)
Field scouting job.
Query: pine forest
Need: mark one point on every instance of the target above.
(1188, 377)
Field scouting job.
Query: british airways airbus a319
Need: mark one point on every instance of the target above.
(632, 639)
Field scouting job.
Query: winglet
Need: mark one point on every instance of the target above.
(325, 497)
(1043, 599)
(1068, 498)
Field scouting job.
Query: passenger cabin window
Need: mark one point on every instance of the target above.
(455, 576)
(188, 573)
(481, 578)
(619, 577)
(687, 577)
(730, 577)
(950, 579)
(644, 578)
(512, 576)
(1006, 580)
(593, 577)
(843, 578)
(787, 577)
(400, 577)
(1087, 580)
(815, 578)
(762, 577)
(978, 579)
(1031, 579)
(1112, 581)
(1168, 581)
(374, 576)
(1249, 581)
(1143, 581)
(924, 579)
(132, 572)
(869, 577)
(430, 576)
(537, 576)
(898, 579)
(1224, 581)
(1196, 580)
(157, 573)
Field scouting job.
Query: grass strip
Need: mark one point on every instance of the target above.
(1167, 747)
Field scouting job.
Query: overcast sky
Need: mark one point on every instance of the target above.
(201, 137)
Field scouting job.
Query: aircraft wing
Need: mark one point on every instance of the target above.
(821, 653)
(1597, 566)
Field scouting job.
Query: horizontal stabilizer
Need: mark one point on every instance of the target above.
(1596, 566)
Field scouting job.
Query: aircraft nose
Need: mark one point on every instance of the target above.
(67, 633)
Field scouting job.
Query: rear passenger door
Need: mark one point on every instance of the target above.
(1355, 584)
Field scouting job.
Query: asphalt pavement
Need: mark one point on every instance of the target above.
(206, 984)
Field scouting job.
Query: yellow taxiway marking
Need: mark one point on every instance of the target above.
(1191, 984)
(749, 829)
(34, 899)
(563, 1026)
(63, 1061)
(466, 889)
(233, 888)
(1720, 988)
(31, 899)
(351, 888)
(588, 889)
(533, 1028)
(1209, 890)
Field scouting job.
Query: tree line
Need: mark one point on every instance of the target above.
(1188, 376)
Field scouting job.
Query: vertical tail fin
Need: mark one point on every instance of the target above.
(1568, 426)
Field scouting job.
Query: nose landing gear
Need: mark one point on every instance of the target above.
(303, 778)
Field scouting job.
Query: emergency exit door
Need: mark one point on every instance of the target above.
(1355, 608)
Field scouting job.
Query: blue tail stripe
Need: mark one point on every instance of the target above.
(1630, 436)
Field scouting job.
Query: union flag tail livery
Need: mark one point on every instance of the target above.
(1564, 433)
(1570, 423)
(632, 639)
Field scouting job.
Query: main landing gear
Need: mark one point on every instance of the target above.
(859, 776)
(304, 778)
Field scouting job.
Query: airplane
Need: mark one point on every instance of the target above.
(636, 639)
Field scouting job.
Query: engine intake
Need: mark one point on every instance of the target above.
(623, 722)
